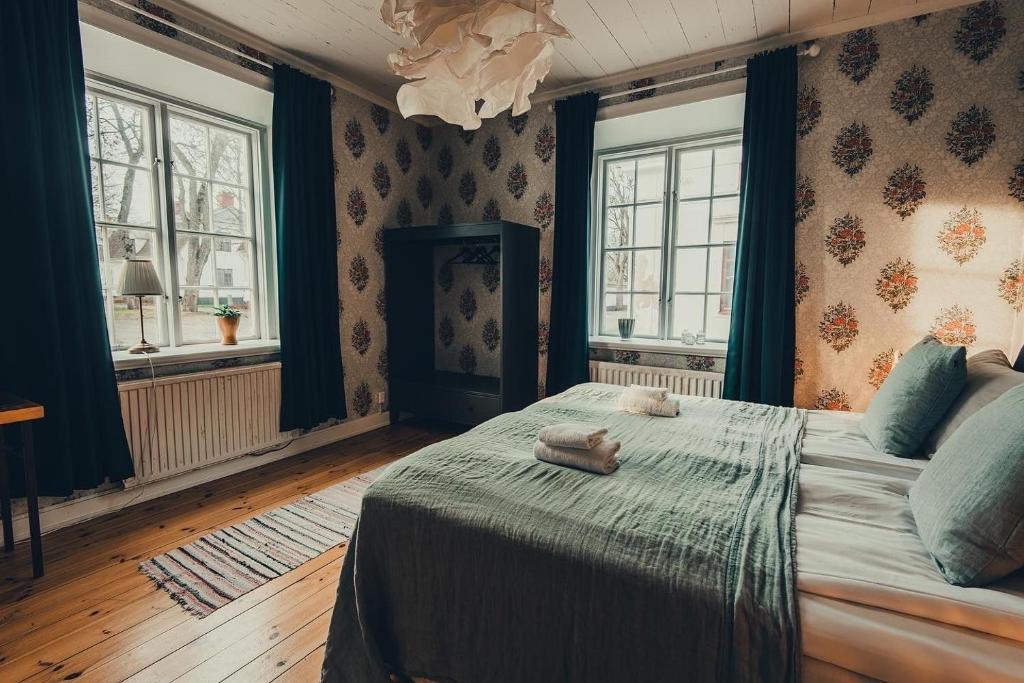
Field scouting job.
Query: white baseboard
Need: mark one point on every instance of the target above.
(66, 513)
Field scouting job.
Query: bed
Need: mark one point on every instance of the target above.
(447, 589)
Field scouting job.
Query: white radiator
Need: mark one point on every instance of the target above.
(185, 422)
(685, 382)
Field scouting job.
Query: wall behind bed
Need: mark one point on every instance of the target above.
(504, 170)
(382, 179)
(392, 172)
(910, 163)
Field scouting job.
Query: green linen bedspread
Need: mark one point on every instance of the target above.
(474, 562)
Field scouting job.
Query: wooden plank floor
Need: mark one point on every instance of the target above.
(94, 617)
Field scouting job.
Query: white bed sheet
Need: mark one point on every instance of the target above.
(834, 439)
(871, 600)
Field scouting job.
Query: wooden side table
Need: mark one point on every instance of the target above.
(14, 410)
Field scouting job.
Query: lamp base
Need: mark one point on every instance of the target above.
(144, 347)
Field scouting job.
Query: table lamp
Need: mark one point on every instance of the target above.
(139, 278)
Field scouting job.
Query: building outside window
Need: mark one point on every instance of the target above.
(666, 228)
(184, 188)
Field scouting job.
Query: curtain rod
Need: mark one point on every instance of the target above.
(813, 50)
(197, 36)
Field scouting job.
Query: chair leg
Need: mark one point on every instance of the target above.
(32, 499)
(5, 498)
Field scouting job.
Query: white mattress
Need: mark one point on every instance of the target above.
(871, 600)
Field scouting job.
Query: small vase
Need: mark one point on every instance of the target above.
(228, 329)
(626, 327)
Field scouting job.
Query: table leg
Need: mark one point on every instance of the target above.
(32, 499)
(5, 498)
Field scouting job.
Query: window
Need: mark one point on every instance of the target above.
(666, 227)
(199, 218)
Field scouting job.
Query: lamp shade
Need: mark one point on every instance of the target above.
(139, 278)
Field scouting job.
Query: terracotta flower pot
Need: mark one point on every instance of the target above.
(228, 329)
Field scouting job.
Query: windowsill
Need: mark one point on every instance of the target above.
(713, 349)
(195, 352)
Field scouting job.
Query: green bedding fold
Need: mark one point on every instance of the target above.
(475, 562)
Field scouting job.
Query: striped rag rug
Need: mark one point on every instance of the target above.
(219, 567)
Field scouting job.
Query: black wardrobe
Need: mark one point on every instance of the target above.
(462, 319)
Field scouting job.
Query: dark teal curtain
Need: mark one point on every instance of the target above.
(574, 156)
(53, 344)
(759, 365)
(312, 386)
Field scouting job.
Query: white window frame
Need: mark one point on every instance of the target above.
(159, 108)
(671, 150)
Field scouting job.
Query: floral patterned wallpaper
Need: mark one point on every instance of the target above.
(397, 173)
(504, 170)
(381, 180)
(467, 312)
(910, 196)
(675, 361)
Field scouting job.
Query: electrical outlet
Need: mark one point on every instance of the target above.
(380, 397)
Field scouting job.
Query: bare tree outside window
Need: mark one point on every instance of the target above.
(208, 171)
(620, 192)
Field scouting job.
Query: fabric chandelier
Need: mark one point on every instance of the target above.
(471, 50)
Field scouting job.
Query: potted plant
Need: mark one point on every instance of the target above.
(227, 320)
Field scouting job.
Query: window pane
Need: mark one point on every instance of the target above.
(722, 264)
(197, 320)
(725, 215)
(94, 173)
(127, 195)
(618, 224)
(687, 313)
(717, 325)
(650, 179)
(727, 170)
(195, 262)
(648, 225)
(691, 267)
(189, 147)
(240, 299)
(647, 270)
(230, 210)
(127, 329)
(615, 306)
(646, 311)
(234, 263)
(229, 157)
(695, 174)
(90, 124)
(693, 222)
(123, 244)
(104, 266)
(123, 133)
(621, 177)
(109, 316)
(616, 270)
(191, 204)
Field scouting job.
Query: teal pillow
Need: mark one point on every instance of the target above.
(968, 503)
(915, 396)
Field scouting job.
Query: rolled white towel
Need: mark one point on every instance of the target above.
(639, 404)
(656, 393)
(601, 459)
(572, 435)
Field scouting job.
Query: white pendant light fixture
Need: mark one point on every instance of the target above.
(471, 50)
